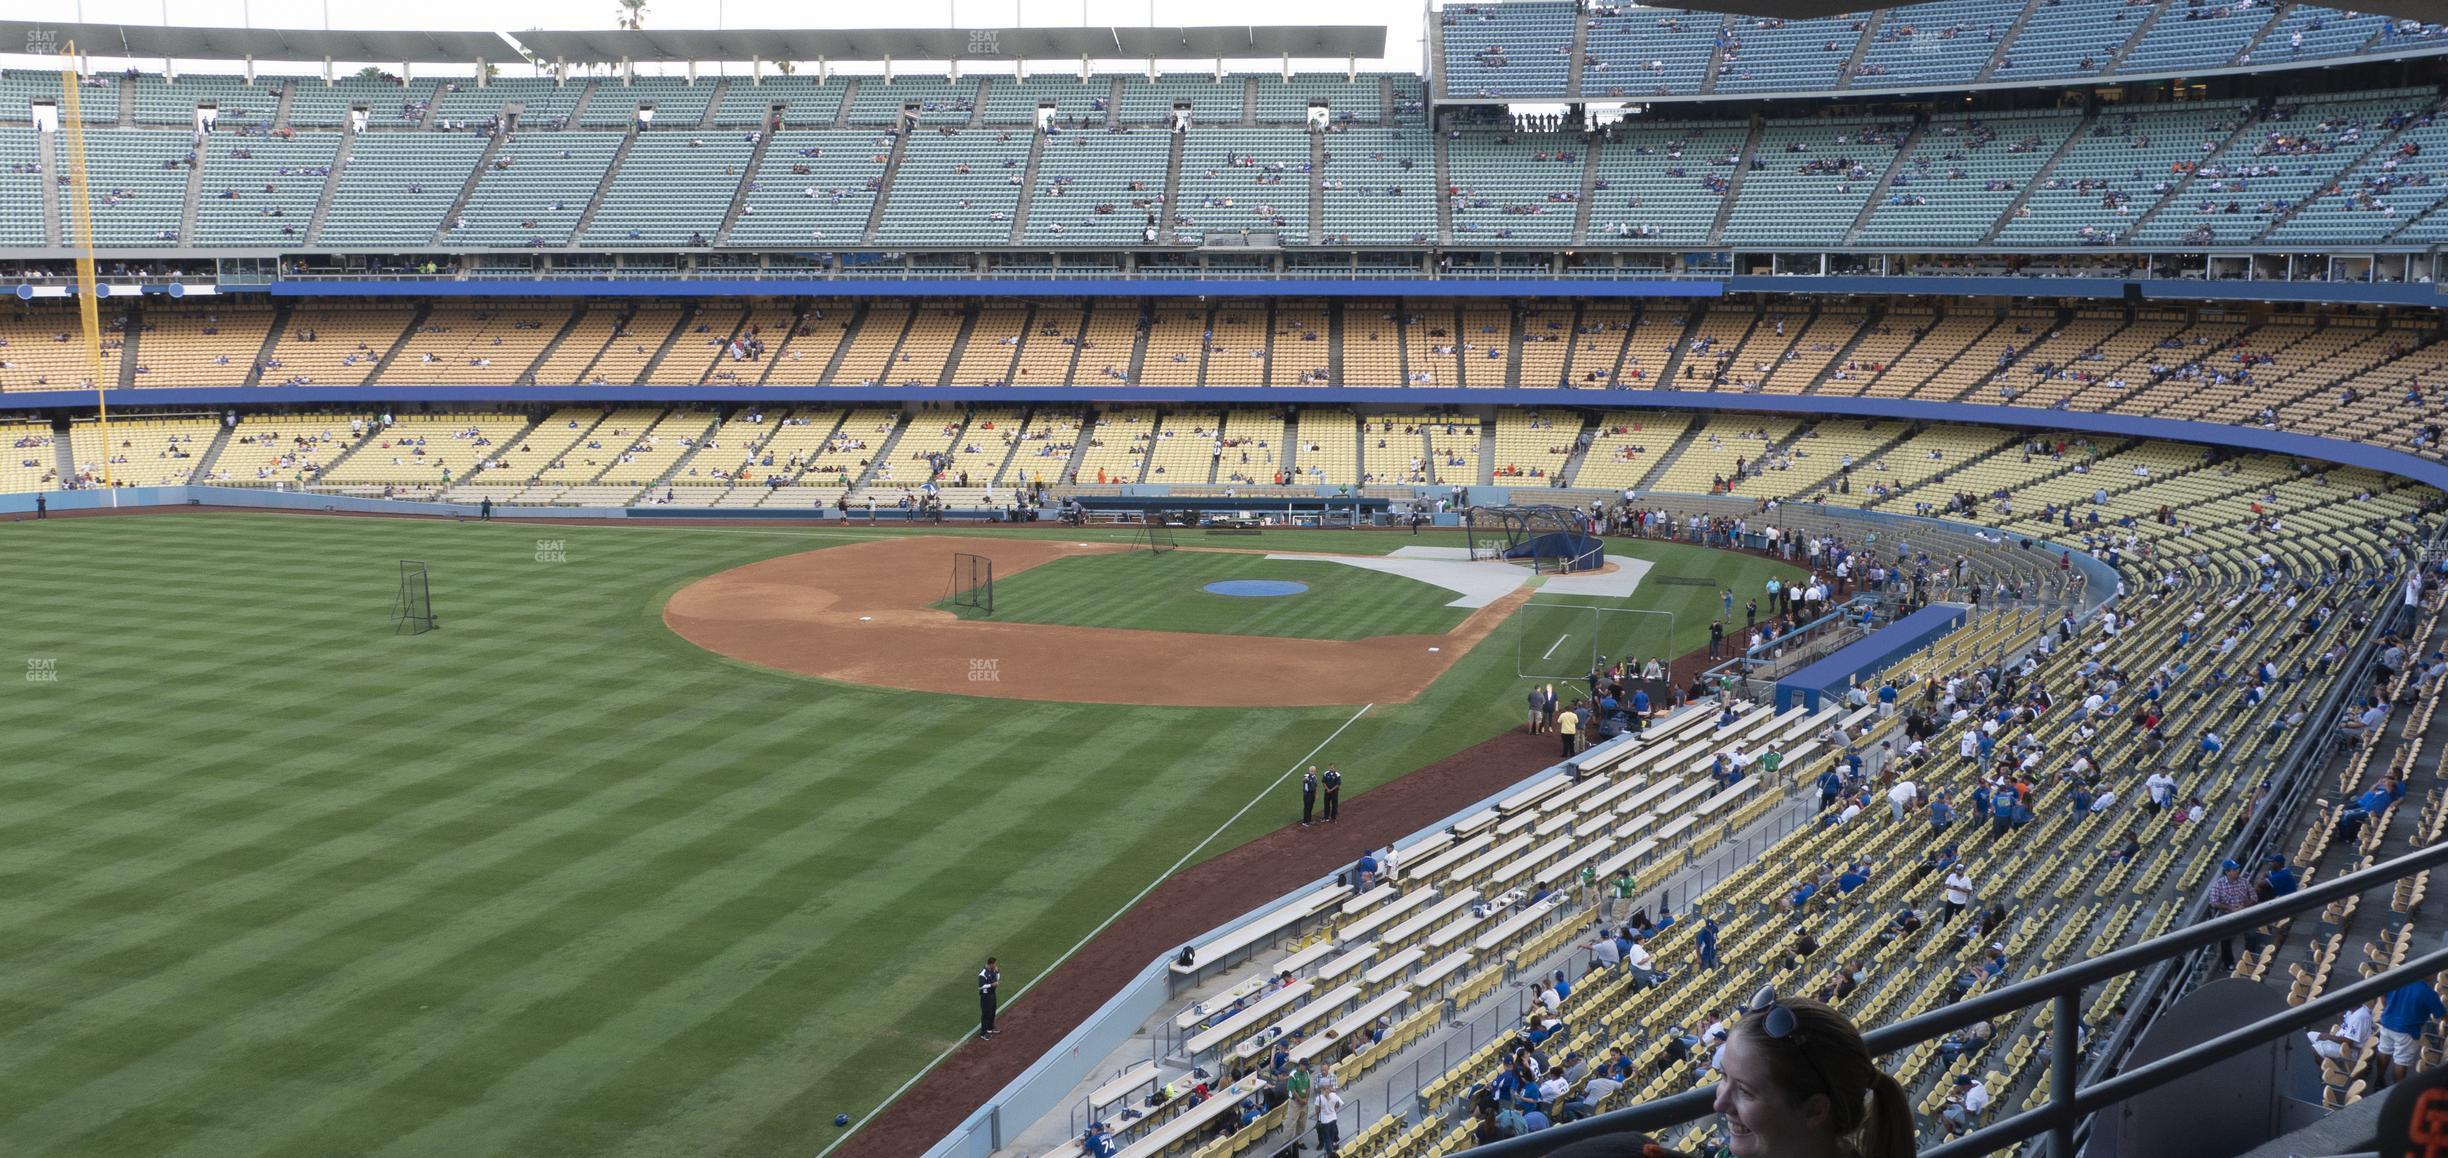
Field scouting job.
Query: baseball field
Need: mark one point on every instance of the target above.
(556, 880)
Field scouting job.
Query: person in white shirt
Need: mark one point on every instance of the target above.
(2162, 789)
(1852, 808)
(1965, 1106)
(2344, 1041)
(1958, 894)
(1642, 961)
(1901, 797)
(1553, 1087)
(1603, 952)
(1324, 1106)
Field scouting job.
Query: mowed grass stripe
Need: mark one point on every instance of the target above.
(725, 1008)
(534, 974)
(330, 806)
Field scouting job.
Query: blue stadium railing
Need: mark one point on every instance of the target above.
(2067, 1106)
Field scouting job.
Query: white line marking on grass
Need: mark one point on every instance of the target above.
(1042, 974)
(1551, 647)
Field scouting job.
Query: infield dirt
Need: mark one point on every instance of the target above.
(861, 613)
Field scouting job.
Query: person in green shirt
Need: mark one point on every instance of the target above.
(1769, 761)
(1624, 888)
(1589, 884)
(1296, 1091)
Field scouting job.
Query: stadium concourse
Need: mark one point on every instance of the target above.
(2106, 331)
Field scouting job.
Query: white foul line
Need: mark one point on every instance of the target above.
(855, 1127)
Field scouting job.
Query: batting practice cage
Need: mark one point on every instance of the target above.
(1566, 641)
(972, 583)
(1549, 539)
(1153, 534)
(412, 613)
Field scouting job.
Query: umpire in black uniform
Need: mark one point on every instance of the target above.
(988, 978)
(1334, 793)
(1308, 795)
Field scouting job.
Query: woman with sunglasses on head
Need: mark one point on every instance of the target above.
(1799, 1084)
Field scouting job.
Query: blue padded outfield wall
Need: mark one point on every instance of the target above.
(1868, 656)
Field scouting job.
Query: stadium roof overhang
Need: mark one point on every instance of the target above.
(42, 38)
(1318, 42)
(1252, 41)
(2428, 11)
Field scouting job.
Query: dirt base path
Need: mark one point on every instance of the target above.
(860, 613)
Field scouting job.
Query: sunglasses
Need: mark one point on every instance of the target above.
(1777, 1020)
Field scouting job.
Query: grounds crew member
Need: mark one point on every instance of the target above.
(988, 978)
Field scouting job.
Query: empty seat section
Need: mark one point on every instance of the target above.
(2108, 179)
(2071, 37)
(97, 97)
(142, 452)
(1638, 52)
(1521, 48)
(334, 345)
(956, 188)
(475, 345)
(1774, 54)
(424, 452)
(1359, 99)
(2383, 192)
(1244, 179)
(2188, 36)
(29, 457)
(396, 187)
(1663, 183)
(805, 103)
(282, 449)
(262, 190)
(211, 343)
(1211, 102)
(136, 184)
(938, 100)
(1517, 188)
(1961, 174)
(671, 188)
(1379, 187)
(21, 216)
(1809, 179)
(237, 104)
(42, 348)
(1012, 101)
(814, 185)
(534, 191)
(542, 103)
(678, 105)
(1946, 42)
(1099, 188)
(388, 103)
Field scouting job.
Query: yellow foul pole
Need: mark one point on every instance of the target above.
(72, 131)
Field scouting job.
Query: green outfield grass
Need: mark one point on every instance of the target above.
(549, 881)
(1165, 593)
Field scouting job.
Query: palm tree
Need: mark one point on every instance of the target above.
(633, 14)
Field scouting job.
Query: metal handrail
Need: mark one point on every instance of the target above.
(2067, 1106)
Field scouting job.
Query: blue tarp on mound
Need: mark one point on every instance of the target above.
(1581, 552)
